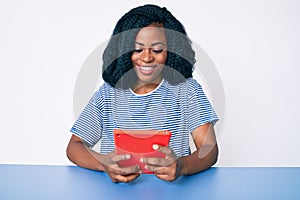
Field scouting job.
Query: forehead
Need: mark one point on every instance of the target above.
(151, 34)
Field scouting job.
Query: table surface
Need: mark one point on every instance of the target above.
(71, 182)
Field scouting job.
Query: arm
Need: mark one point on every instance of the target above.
(80, 154)
(205, 156)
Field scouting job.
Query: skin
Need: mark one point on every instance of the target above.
(151, 53)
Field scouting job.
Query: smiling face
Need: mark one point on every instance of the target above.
(149, 55)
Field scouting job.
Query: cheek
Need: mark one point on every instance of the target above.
(162, 59)
(134, 58)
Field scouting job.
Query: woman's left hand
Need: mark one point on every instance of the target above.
(167, 168)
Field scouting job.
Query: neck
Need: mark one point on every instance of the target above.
(144, 88)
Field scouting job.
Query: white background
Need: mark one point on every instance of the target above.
(254, 45)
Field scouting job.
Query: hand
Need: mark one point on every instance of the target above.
(117, 173)
(167, 168)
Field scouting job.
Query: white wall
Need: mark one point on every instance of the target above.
(254, 45)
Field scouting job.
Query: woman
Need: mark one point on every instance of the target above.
(148, 65)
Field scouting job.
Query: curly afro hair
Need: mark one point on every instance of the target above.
(117, 65)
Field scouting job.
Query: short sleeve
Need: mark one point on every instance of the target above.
(200, 110)
(88, 126)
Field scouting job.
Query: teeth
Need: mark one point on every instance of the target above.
(146, 68)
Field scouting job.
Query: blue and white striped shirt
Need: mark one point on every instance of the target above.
(179, 108)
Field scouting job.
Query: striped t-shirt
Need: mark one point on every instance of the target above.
(179, 108)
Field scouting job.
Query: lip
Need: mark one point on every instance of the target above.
(147, 70)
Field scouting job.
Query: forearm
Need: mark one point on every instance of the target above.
(198, 161)
(83, 156)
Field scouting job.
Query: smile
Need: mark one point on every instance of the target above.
(147, 70)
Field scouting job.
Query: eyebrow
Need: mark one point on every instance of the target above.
(153, 44)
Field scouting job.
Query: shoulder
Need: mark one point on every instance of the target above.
(189, 88)
(191, 85)
(105, 89)
(189, 82)
(104, 92)
(194, 87)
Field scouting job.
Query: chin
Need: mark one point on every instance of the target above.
(149, 79)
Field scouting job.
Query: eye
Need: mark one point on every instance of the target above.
(138, 50)
(157, 50)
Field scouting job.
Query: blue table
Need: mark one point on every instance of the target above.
(70, 182)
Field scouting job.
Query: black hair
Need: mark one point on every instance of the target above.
(117, 65)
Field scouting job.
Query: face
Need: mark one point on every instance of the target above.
(150, 54)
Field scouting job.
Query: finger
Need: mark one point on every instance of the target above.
(118, 178)
(124, 179)
(163, 149)
(152, 168)
(170, 171)
(130, 170)
(170, 155)
(165, 177)
(115, 169)
(117, 158)
(132, 177)
(155, 161)
(166, 173)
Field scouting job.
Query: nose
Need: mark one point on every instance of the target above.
(147, 56)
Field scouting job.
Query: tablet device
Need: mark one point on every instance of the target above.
(138, 143)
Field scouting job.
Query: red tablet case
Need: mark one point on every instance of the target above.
(138, 143)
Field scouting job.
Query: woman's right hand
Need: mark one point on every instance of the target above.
(80, 154)
(117, 173)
